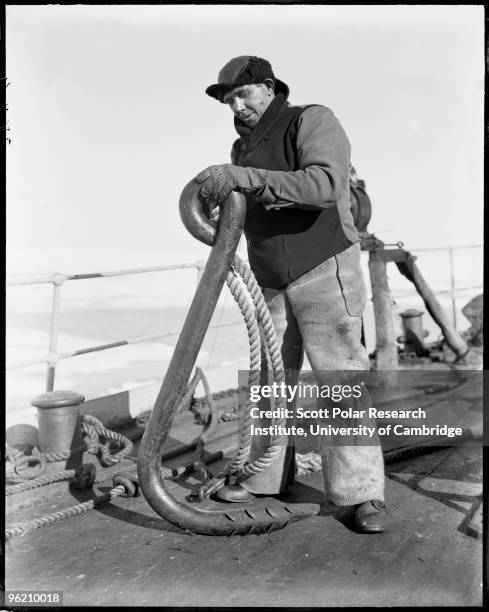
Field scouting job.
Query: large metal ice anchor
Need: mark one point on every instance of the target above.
(221, 519)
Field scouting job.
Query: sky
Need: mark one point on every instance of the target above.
(108, 119)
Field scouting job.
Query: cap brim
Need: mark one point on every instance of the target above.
(218, 90)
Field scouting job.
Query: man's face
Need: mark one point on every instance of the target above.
(249, 102)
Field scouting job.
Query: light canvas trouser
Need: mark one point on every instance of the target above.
(320, 313)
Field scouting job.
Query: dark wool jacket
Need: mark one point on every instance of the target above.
(298, 214)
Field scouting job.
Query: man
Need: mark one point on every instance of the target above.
(292, 164)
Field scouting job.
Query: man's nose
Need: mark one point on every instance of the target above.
(238, 105)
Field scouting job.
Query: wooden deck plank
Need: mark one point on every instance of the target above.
(120, 555)
(453, 570)
(433, 530)
(124, 554)
(351, 572)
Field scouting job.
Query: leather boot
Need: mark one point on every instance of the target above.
(370, 516)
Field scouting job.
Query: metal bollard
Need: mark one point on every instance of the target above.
(414, 334)
(59, 421)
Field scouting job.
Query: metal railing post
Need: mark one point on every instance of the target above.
(452, 287)
(52, 357)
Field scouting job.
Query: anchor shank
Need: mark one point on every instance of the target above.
(189, 343)
(200, 313)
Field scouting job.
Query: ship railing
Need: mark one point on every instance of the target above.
(454, 290)
(57, 280)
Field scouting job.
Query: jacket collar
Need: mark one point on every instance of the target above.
(256, 134)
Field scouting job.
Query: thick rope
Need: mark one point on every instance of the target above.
(92, 425)
(94, 432)
(253, 315)
(275, 358)
(39, 482)
(48, 479)
(241, 298)
(16, 461)
(49, 519)
(307, 463)
(55, 457)
(22, 528)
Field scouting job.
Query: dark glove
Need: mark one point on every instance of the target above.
(219, 181)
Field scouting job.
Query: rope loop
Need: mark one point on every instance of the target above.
(247, 294)
(19, 469)
(101, 441)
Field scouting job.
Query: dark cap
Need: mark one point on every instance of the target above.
(244, 70)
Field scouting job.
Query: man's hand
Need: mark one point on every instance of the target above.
(218, 181)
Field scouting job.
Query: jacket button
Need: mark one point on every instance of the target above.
(243, 147)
